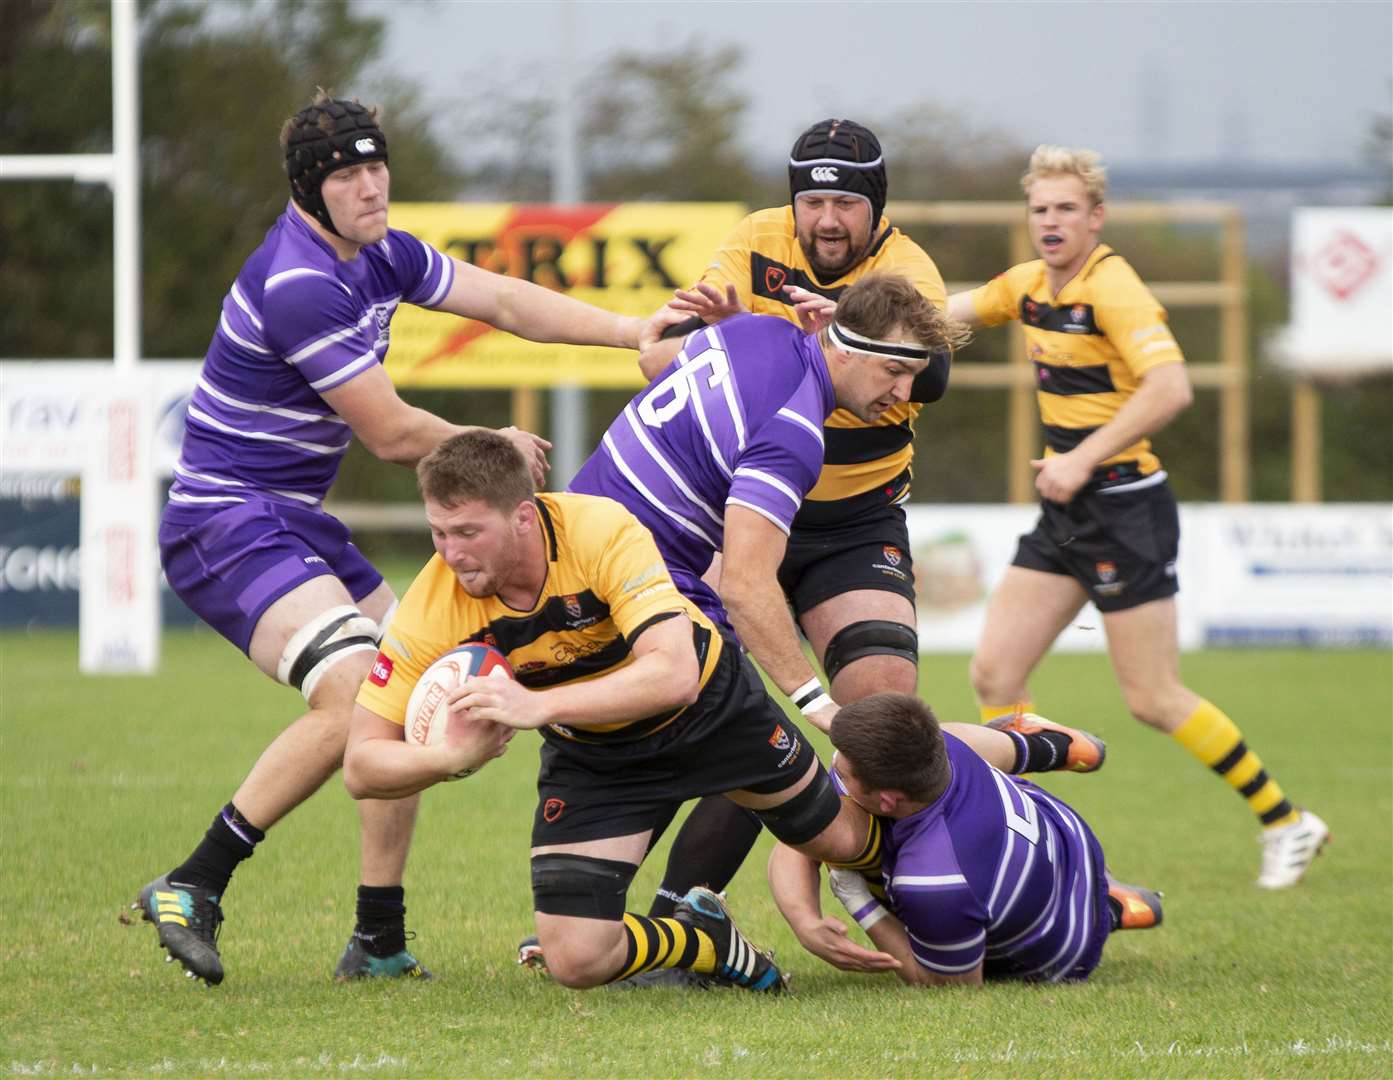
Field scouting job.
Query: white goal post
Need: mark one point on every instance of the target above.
(119, 602)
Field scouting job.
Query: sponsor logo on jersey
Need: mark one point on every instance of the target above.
(553, 809)
(774, 278)
(779, 740)
(381, 670)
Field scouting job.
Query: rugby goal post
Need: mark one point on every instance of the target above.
(119, 614)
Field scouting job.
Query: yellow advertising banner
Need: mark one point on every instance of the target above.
(625, 257)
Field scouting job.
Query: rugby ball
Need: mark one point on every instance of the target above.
(427, 714)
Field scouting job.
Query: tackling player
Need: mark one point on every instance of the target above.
(847, 569)
(981, 875)
(641, 700)
(293, 373)
(1109, 375)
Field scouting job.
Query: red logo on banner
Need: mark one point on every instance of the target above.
(1344, 265)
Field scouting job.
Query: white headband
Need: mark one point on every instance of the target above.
(850, 341)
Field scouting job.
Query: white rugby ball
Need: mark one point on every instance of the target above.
(427, 714)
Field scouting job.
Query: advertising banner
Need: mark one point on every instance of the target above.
(1341, 292)
(624, 257)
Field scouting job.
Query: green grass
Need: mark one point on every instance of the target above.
(107, 782)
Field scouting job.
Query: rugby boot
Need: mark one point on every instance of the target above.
(1289, 850)
(357, 963)
(1086, 752)
(188, 919)
(1134, 907)
(738, 962)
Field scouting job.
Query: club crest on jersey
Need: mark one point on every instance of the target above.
(1078, 313)
(572, 603)
(553, 809)
(892, 555)
(779, 740)
(774, 278)
(381, 670)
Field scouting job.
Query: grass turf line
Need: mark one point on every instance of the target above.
(107, 781)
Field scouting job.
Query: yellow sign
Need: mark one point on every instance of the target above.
(625, 257)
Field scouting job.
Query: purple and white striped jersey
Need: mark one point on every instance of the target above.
(735, 420)
(998, 871)
(298, 321)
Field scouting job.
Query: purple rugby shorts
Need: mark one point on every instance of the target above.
(229, 566)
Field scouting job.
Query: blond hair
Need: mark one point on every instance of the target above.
(1087, 165)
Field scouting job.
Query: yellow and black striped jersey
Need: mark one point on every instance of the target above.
(605, 584)
(1091, 344)
(759, 258)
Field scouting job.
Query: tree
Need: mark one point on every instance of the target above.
(216, 82)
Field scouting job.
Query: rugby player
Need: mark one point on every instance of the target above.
(642, 702)
(847, 569)
(293, 373)
(1109, 375)
(981, 875)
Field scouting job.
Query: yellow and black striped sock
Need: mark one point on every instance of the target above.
(991, 712)
(664, 943)
(1216, 741)
(867, 861)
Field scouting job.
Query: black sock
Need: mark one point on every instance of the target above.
(1115, 910)
(1039, 751)
(381, 919)
(709, 848)
(230, 839)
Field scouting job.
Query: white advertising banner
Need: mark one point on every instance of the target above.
(41, 412)
(1341, 292)
(1252, 574)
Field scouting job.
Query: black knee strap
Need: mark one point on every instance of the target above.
(870, 637)
(806, 814)
(580, 886)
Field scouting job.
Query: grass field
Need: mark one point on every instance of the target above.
(107, 782)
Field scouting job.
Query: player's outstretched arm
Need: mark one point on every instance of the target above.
(392, 430)
(794, 881)
(535, 313)
(961, 309)
(754, 547)
(379, 764)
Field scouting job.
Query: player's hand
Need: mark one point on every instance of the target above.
(533, 449)
(827, 940)
(822, 719)
(814, 310)
(709, 302)
(651, 331)
(471, 741)
(1059, 477)
(503, 701)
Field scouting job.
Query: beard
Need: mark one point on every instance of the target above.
(827, 269)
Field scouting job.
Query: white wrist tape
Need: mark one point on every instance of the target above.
(851, 889)
(810, 697)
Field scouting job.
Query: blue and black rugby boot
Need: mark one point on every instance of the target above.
(738, 962)
(358, 963)
(188, 919)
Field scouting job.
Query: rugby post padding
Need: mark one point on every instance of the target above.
(118, 608)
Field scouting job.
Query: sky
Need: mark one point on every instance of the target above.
(1283, 83)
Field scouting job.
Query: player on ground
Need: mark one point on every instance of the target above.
(981, 874)
(1109, 375)
(641, 701)
(847, 570)
(293, 373)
